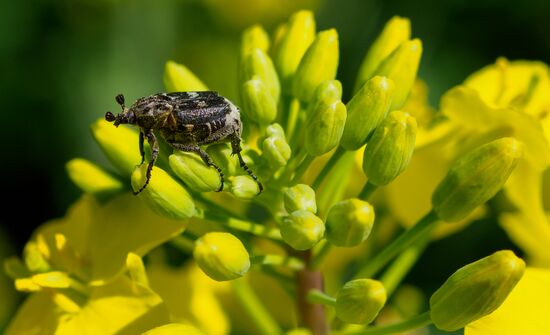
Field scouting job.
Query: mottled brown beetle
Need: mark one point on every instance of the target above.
(186, 120)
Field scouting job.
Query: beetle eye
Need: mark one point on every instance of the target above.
(110, 117)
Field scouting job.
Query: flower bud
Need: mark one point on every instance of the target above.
(276, 150)
(319, 63)
(164, 195)
(401, 67)
(302, 229)
(328, 92)
(300, 197)
(366, 110)
(475, 290)
(390, 149)
(292, 42)
(221, 256)
(221, 154)
(396, 31)
(244, 187)
(257, 64)
(174, 328)
(275, 130)
(254, 37)
(35, 259)
(349, 222)
(325, 126)
(192, 170)
(258, 103)
(360, 300)
(120, 145)
(91, 178)
(178, 78)
(475, 178)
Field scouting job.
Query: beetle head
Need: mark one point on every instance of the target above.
(127, 116)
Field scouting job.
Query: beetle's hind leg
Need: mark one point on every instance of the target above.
(154, 154)
(236, 149)
(205, 157)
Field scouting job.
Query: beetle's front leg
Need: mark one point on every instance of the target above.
(236, 149)
(141, 150)
(154, 154)
(206, 159)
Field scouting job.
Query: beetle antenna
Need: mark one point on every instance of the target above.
(120, 100)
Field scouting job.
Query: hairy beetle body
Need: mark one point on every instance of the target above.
(186, 121)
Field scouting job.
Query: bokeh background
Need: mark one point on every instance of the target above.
(62, 62)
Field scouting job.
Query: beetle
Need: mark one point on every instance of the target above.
(186, 121)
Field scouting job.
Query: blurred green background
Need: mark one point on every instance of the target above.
(62, 63)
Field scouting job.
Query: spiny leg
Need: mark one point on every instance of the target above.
(206, 159)
(141, 150)
(236, 149)
(154, 154)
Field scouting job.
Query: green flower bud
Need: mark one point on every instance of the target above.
(475, 290)
(325, 127)
(390, 149)
(178, 78)
(254, 37)
(192, 170)
(91, 178)
(257, 64)
(244, 187)
(276, 150)
(275, 130)
(300, 197)
(35, 259)
(360, 300)
(258, 103)
(163, 195)
(292, 42)
(475, 178)
(328, 92)
(349, 222)
(221, 154)
(319, 63)
(366, 110)
(401, 67)
(396, 31)
(118, 144)
(302, 229)
(221, 256)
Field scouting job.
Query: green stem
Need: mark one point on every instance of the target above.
(328, 166)
(319, 297)
(422, 228)
(302, 168)
(183, 243)
(403, 264)
(254, 308)
(293, 113)
(320, 253)
(418, 321)
(243, 225)
(278, 260)
(367, 191)
(296, 160)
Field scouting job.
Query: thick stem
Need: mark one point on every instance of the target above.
(312, 315)
(328, 166)
(418, 321)
(367, 191)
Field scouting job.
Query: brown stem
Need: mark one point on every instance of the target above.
(312, 315)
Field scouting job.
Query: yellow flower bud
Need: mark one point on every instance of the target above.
(221, 256)
(302, 229)
(276, 150)
(192, 170)
(292, 41)
(360, 300)
(178, 78)
(244, 187)
(401, 67)
(258, 103)
(91, 178)
(120, 145)
(475, 290)
(300, 197)
(319, 63)
(254, 37)
(396, 31)
(173, 329)
(257, 64)
(390, 149)
(163, 195)
(475, 178)
(325, 127)
(34, 258)
(349, 222)
(366, 110)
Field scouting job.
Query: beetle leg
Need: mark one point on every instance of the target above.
(236, 149)
(141, 151)
(154, 154)
(206, 159)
